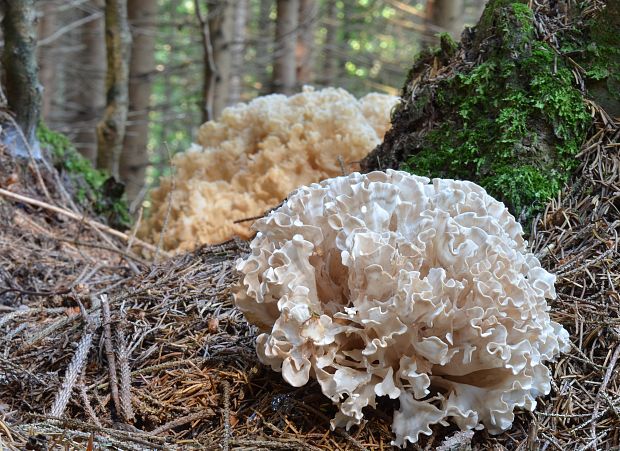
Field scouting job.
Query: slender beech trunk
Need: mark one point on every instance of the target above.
(134, 159)
(264, 43)
(209, 69)
(216, 28)
(111, 128)
(22, 89)
(308, 16)
(60, 66)
(448, 15)
(237, 51)
(330, 59)
(221, 26)
(90, 101)
(46, 57)
(284, 67)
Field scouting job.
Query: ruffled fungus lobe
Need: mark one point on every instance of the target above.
(385, 285)
(257, 153)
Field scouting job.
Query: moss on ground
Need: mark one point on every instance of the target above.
(513, 122)
(91, 188)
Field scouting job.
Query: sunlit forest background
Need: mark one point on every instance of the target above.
(359, 45)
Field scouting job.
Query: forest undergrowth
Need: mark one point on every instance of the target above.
(102, 346)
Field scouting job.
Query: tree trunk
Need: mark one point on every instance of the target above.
(90, 99)
(216, 36)
(221, 25)
(263, 44)
(135, 159)
(308, 16)
(58, 48)
(447, 15)
(504, 110)
(75, 94)
(330, 55)
(209, 69)
(46, 56)
(111, 128)
(237, 51)
(284, 64)
(22, 89)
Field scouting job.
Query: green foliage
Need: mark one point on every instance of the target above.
(90, 185)
(501, 106)
(373, 59)
(177, 85)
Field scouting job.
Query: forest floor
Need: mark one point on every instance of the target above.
(101, 347)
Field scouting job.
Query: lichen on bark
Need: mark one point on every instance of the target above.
(503, 110)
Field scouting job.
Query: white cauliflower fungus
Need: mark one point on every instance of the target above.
(252, 157)
(387, 285)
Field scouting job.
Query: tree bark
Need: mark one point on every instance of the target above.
(263, 44)
(209, 68)
(22, 89)
(308, 16)
(330, 58)
(58, 51)
(71, 55)
(111, 128)
(447, 15)
(135, 158)
(216, 27)
(90, 100)
(284, 64)
(221, 26)
(237, 51)
(46, 57)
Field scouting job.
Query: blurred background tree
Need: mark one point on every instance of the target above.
(191, 58)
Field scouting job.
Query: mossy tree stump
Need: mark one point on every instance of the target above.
(506, 107)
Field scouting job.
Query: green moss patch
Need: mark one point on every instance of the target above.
(91, 188)
(513, 122)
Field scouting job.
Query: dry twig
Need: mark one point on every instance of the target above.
(72, 215)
